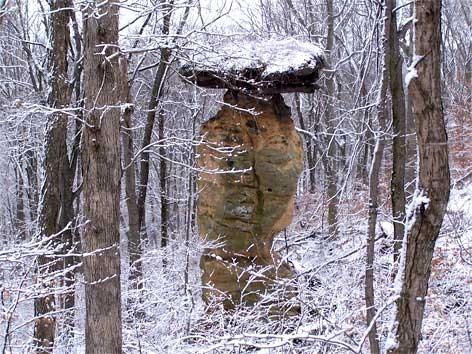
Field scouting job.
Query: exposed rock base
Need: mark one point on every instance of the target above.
(242, 211)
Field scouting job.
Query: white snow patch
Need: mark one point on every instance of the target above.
(387, 228)
(419, 198)
(412, 73)
(391, 343)
(297, 266)
(460, 200)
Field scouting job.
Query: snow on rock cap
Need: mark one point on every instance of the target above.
(264, 66)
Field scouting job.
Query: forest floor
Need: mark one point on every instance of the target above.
(330, 281)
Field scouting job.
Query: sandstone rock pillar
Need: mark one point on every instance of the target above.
(242, 211)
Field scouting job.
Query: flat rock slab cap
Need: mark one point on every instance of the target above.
(264, 67)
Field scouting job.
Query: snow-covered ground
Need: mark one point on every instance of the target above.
(330, 281)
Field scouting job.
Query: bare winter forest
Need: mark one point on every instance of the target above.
(236, 176)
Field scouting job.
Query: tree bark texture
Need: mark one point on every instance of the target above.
(432, 193)
(330, 165)
(163, 186)
(20, 221)
(101, 175)
(56, 205)
(394, 65)
(71, 238)
(32, 192)
(374, 192)
(134, 239)
(410, 133)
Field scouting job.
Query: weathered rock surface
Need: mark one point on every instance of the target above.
(243, 211)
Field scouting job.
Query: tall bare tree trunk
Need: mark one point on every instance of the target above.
(310, 150)
(57, 187)
(134, 239)
(71, 238)
(394, 65)
(163, 186)
(410, 134)
(374, 191)
(20, 222)
(432, 193)
(156, 94)
(330, 165)
(102, 174)
(190, 213)
(32, 192)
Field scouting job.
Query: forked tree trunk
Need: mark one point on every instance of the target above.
(399, 158)
(432, 193)
(156, 94)
(101, 175)
(57, 188)
(71, 239)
